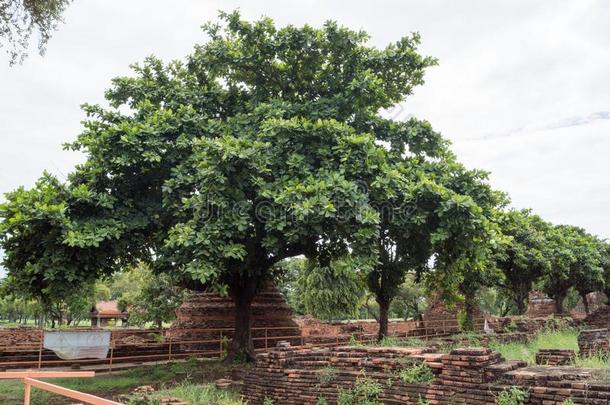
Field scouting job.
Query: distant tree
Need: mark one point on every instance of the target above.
(577, 262)
(332, 292)
(157, 301)
(45, 254)
(525, 256)
(411, 300)
(605, 257)
(287, 274)
(20, 18)
(329, 293)
(467, 238)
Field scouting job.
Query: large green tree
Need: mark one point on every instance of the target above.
(577, 262)
(433, 213)
(525, 256)
(253, 151)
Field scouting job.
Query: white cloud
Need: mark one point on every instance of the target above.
(512, 77)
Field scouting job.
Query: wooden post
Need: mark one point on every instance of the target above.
(40, 349)
(266, 335)
(27, 390)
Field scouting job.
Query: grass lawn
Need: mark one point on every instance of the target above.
(550, 339)
(189, 379)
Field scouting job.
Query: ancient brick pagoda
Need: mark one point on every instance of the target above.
(209, 316)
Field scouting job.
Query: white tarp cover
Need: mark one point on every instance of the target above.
(78, 344)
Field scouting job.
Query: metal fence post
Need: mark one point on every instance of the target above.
(170, 348)
(266, 335)
(112, 342)
(40, 349)
(220, 344)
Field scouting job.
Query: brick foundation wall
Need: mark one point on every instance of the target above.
(463, 376)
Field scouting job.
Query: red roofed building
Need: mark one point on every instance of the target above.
(104, 311)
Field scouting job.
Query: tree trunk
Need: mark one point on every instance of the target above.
(159, 324)
(585, 302)
(521, 307)
(521, 301)
(242, 292)
(384, 307)
(559, 302)
(469, 309)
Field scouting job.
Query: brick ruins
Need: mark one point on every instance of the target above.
(464, 376)
(594, 342)
(555, 357)
(540, 305)
(203, 315)
(600, 318)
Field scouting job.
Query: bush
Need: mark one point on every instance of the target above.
(417, 373)
(365, 392)
(327, 374)
(511, 396)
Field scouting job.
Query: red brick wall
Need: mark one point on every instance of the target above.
(464, 376)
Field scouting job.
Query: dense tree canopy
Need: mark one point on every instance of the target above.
(525, 257)
(577, 262)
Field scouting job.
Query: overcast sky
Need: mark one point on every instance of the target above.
(522, 88)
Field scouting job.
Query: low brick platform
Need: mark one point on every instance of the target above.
(464, 376)
(594, 342)
(555, 357)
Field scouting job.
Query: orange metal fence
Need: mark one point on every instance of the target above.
(139, 345)
(30, 379)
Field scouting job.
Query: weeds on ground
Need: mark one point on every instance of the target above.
(393, 341)
(195, 394)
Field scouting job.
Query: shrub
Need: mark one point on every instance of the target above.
(268, 401)
(417, 373)
(365, 392)
(327, 374)
(353, 341)
(510, 327)
(511, 396)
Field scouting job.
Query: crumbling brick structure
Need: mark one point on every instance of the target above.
(555, 357)
(465, 376)
(600, 318)
(209, 316)
(594, 342)
(540, 305)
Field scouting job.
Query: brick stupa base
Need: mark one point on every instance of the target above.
(209, 316)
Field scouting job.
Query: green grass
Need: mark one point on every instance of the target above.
(109, 386)
(196, 394)
(550, 339)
